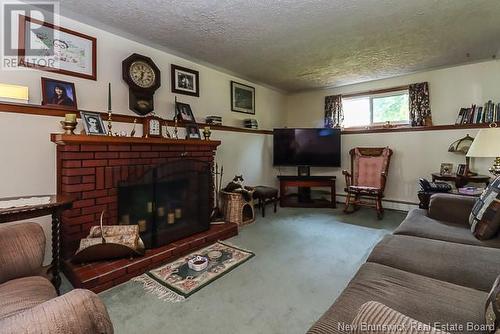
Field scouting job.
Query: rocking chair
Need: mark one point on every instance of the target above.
(365, 184)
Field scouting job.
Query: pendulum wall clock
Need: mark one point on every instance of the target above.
(143, 78)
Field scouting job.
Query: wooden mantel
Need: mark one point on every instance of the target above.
(63, 139)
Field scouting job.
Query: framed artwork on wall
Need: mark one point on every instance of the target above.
(58, 94)
(48, 47)
(185, 81)
(183, 112)
(93, 124)
(242, 98)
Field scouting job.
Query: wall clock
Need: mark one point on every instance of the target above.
(143, 78)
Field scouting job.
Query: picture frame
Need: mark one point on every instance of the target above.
(184, 113)
(59, 94)
(446, 168)
(71, 53)
(242, 98)
(93, 123)
(192, 131)
(185, 81)
(461, 169)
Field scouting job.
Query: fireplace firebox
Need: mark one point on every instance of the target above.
(169, 202)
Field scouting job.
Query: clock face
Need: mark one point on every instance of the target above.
(154, 127)
(142, 74)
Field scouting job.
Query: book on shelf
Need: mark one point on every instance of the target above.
(488, 113)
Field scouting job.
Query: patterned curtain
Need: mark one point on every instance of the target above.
(420, 108)
(334, 116)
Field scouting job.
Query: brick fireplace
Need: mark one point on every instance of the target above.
(90, 169)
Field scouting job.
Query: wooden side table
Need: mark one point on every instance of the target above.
(461, 180)
(55, 207)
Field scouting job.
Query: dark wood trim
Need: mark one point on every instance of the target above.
(376, 91)
(22, 48)
(33, 109)
(63, 139)
(407, 128)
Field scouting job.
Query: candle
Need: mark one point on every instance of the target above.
(171, 218)
(70, 118)
(109, 96)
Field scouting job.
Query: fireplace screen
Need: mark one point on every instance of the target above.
(169, 202)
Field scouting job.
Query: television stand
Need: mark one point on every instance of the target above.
(301, 199)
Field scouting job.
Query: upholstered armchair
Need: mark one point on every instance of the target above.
(28, 301)
(365, 183)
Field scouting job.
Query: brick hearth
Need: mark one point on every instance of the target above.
(89, 169)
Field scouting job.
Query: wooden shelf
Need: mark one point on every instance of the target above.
(416, 128)
(63, 139)
(33, 109)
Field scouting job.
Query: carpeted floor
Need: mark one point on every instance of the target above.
(303, 260)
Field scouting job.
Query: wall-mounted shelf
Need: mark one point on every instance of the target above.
(416, 128)
(63, 139)
(33, 109)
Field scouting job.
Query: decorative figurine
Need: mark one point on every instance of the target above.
(207, 132)
(176, 131)
(132, 133)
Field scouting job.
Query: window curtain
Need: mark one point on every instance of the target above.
(334, 116)
(420, 108)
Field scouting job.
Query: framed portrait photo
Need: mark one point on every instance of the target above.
(48, 47)
(446, 168)
(93, 124)
(58, 94)
(192, 131)
(185, 81)
(242, 98)
(183, 112)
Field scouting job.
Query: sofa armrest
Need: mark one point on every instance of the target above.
(22, 247)
(77, 312)
(451, 208)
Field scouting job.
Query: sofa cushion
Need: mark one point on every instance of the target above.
(24, 293)
(493, 306)
(485, 216)
(440, 260)
(419, 225)
(375, 317)
(422, 298)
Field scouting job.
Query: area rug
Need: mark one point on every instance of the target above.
(175, 281)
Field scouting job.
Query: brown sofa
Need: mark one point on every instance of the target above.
(431, 269)
(28, 301)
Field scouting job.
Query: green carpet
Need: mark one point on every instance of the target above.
(303, 260)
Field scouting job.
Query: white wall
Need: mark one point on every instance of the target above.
(28, 156)
(416, 154)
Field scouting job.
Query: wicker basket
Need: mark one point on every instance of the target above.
(236, 209)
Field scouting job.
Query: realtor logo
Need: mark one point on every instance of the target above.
(24, 36)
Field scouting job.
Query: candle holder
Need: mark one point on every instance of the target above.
(176, 131)
(68, 127)
(110, 125)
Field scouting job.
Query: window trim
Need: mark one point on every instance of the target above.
(377, 94)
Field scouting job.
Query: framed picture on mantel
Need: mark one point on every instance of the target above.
(185, 81)
(47, 47)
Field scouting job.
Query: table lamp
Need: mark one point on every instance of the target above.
(487, 145)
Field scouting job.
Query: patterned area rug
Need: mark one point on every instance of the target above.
(175, 281)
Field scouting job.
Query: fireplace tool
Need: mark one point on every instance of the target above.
(216, 216)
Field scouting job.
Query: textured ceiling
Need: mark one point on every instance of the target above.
(305, 44)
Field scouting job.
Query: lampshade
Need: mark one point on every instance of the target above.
(486, 144)
(13, 92)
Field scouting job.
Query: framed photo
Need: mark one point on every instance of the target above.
(47, 47)
(183, 112)
(461, 169)
(58, 94)
(93, 124)
(185, 81)
(192, 131)
(242, 98)
(446, 168)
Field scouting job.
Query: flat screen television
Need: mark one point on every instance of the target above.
(306, 147)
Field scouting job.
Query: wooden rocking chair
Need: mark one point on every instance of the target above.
(369, 167)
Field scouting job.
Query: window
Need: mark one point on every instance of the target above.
(376, 109)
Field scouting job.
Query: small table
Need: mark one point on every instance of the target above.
(307, 182)
(55, 207)
(461, 180)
